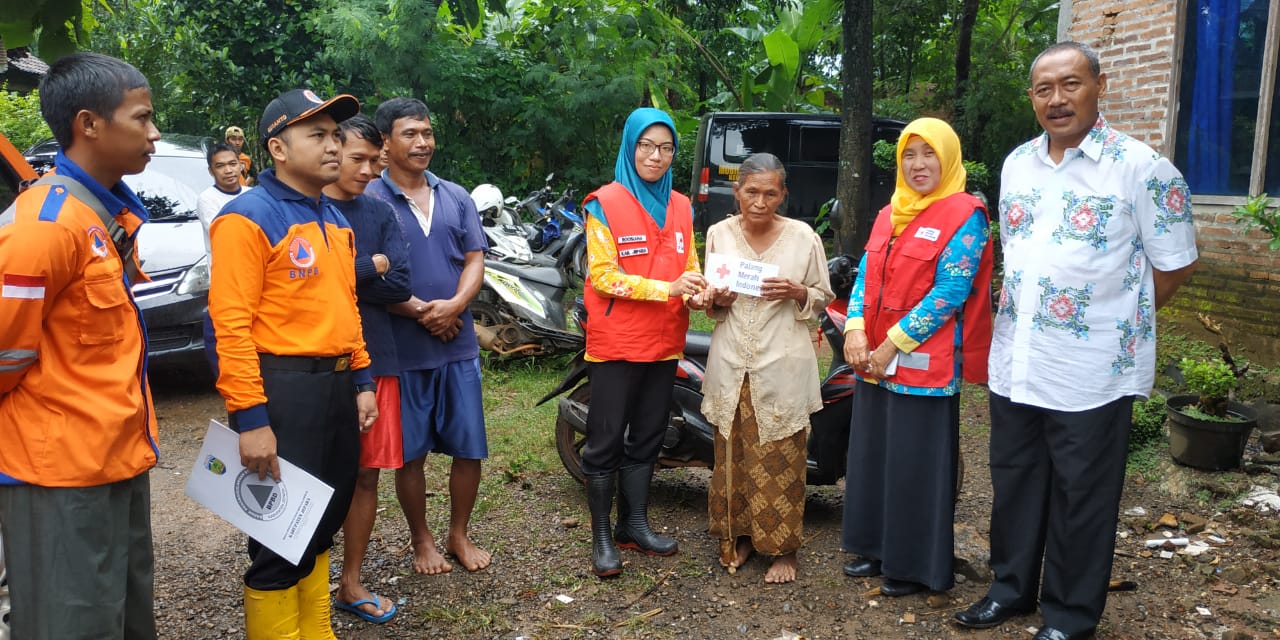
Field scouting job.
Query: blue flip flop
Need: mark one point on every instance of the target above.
(354, 607)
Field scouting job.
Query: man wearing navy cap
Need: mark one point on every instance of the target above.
(289, 355)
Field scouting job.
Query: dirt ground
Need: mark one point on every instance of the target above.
(541, 548)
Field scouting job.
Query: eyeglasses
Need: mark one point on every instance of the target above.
(647, 148)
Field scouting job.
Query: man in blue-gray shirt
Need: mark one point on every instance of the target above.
(441, 405)
(382, 278)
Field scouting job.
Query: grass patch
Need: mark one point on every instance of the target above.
(1145, 461)
(638, 626)
(564, 580)
(973, 406)
(469, 620)
(691, 567)
(521, 440)
(521, 435)
(698, 321)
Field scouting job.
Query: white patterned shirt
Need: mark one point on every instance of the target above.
(1076, 322)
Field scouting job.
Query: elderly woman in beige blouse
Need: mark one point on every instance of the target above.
(762, 374)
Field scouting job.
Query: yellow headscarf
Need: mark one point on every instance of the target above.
(907, 204)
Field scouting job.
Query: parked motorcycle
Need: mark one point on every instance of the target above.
(689, 439)
(555, 238)
(520, 311)
(508, 241)
(557, 233)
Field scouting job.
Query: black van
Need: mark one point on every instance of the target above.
(808, 145)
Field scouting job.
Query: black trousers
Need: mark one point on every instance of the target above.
(316, 425)
(1057, 478)
(630, 408)
(900, 483)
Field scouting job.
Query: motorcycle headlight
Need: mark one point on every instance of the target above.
(196, 279)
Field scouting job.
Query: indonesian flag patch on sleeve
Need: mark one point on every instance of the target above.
(22, 287)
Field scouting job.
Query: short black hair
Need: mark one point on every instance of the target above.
(219, 148)
(363, 127)
(1090, 55)
(396, 108)
(85, 81)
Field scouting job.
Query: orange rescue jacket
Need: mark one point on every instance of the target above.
(641, 330)
(75, 408)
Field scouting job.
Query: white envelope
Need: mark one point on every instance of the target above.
(281, 516)
(739, 274)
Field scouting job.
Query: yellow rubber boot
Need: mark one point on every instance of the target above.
(271, 615)
(314, 604)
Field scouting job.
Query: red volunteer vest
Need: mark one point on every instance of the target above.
(640, 330)
(900, 273)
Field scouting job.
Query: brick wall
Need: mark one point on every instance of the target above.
(1238, 279)
(1137, 43)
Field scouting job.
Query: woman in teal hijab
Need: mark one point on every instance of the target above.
(643, 272)
(654, 195)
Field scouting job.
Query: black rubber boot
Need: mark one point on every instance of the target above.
(633, 530)
(605, 560)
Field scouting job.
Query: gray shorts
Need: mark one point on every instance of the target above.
(79, 561)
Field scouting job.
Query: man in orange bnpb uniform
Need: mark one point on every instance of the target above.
(291, 359)
(77, 431)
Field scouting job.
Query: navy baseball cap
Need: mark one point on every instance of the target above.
(300, 104)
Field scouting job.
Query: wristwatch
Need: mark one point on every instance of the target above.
(368, 386)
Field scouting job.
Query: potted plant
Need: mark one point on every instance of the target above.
(1208, 430)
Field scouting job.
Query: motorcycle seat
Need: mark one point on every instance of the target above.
(549, 276)
(697, 344)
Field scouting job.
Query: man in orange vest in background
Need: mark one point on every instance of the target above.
(76, 420)
(235, 138)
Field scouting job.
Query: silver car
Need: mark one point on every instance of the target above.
(171, 247)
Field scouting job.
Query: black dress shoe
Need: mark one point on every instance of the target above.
(895, 588)
(863, 568)
(1049, 633)
(987, 613)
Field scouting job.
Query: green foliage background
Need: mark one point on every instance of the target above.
(20, 118)
(522, 88)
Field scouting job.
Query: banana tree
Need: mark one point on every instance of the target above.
(799, 58)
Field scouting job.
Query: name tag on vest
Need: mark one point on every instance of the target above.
(631, 239)
(914, 360)
(928, 233)
(638, 251)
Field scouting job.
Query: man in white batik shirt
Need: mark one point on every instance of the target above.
(1097, 234)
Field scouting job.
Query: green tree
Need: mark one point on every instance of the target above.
(853, 188)
(150, 35)
(20, 119)
(806, 35)
(542, 89)
(716, 58)
(53, 27)
(929, 60)
(997, 114)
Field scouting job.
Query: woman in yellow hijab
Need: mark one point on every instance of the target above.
(919, 321)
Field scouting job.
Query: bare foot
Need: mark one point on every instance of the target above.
(782, 570)
(353, 592)
(743, 552)
(426, 559)
(472, 557)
